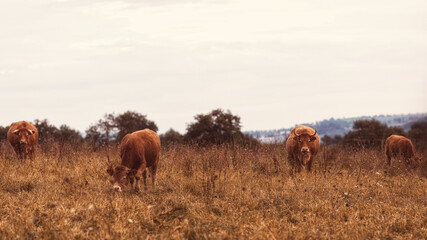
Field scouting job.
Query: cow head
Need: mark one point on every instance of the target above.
(303, 142)
(23, 135)
(121, 176)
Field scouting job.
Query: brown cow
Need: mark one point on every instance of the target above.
(399, 147)
(23, 138)
(302, 146)
(139, 150)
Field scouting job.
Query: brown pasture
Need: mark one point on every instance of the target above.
(213, 193)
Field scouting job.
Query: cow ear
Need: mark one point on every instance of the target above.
(312, 138)
(110, 170)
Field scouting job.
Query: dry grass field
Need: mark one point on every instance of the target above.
(213, 193)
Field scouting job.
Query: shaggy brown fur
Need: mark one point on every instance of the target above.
(399, 147)
(23, 137)
(138, 151)
(302, 146)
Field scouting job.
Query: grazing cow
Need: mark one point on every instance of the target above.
(139, 150)
(23, 138)
(399, 147)
(302, 145)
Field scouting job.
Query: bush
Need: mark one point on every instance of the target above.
(217, 127)
(369, 134)
(112, 128)
(418, 133)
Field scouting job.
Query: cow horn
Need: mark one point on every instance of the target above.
(30, 131)
(295, 132)
(17, 130)
(315, 131)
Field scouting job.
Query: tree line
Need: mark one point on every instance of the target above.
(372, 134)
(48, 133)
(216, 127)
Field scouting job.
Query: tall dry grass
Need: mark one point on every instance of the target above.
(213, 193)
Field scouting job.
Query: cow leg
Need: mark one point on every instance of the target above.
(292, 170)
(292, 164)
(309, 163)
(153, 170)
(31, 155)
(144, 175)
(136, 184)
(387, 153)
(18, 152)
(388, 159)
(21, 156)
(407, 157)
(298, 165)
(132, 182)
(140, 173)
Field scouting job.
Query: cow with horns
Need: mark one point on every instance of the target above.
(302, 146)
(23, 138)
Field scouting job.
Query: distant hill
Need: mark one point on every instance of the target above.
(340, 127)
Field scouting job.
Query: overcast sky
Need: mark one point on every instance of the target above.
(275, 63)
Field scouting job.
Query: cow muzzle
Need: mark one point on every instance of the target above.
(117, 188)
(305, 150)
